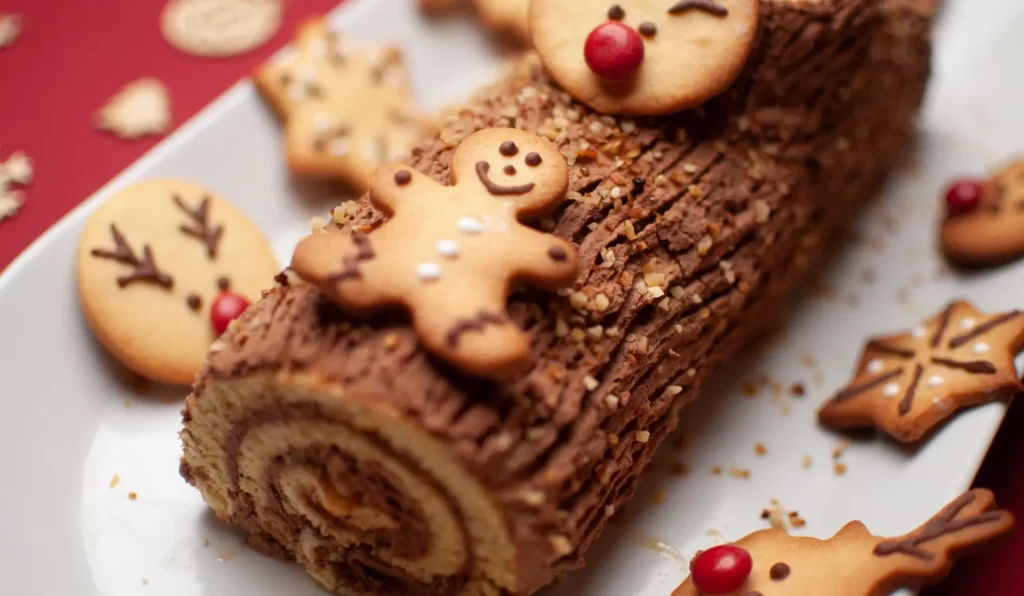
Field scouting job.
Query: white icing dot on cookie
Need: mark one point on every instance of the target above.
(980, 347)
(875, 366)
(447, 248)
(919, 332)
(322, 122)
(340, 147)
(428, 271)
(470, 225)
(967, 323)
(890, 390)
(935, 381)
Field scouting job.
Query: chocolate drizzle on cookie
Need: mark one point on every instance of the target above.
(943, 524)
(476, 323)
(483, 168)
(350, 263)
(708, 6)
(144, 269)
(202, 230)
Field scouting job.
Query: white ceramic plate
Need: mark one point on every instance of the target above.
(72, 419)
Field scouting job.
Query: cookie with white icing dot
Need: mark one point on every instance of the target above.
(449, 254)
(907, 384)
(644, 57)
(162, 267)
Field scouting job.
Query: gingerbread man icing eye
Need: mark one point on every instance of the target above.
(644, 57)
(163, 266)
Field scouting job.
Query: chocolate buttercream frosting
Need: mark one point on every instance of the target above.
(332, 439)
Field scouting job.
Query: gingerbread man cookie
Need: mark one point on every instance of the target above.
(984, 222)
(346, 109)
(163, 266)
(449, 254)
(907, 384)
(853, 562)
(644, 57)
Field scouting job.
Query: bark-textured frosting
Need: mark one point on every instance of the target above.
(690, 228)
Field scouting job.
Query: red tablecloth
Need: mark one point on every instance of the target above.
(74, 54)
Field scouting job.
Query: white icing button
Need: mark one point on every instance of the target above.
(919, 332)
(967, 323)
(890, 390)
(428, 271)
(980, 347)
(875, 366)
(321, 122)
(447, 248)
(470, 225)
(340, 147)
(935, 381)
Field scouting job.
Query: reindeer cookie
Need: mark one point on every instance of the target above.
(449, 254)
(644, 57)
(907, 384)
(162, 267)
(851, 563)
(984, 222)
(346, 109)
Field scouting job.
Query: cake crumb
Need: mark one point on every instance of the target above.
(225, 556)
(839, 449)
(206, 542)
(749, 389)
(659, 497)
(133, 495)
(609, 510)
(678, 468)
(839, 468)
(716, 470)
(798, 390)
(390, 341)
(145, 582)
(115, 481)
(743, 473)
(775, 515)
(760, 449)
(806, 461)
(795, 520)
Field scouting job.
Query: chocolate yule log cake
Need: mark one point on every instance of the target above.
(452, 445)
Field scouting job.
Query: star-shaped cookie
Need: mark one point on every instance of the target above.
(907, 384)
(346, 108)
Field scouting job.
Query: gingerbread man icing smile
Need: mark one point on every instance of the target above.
(644, 57)
(449, 254)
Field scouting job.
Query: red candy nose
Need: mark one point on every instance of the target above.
(721, 569)
(964, 195)
(226, 308)
(614, 51)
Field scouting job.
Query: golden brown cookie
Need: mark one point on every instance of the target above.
(644, 57)
(851, 563)
(159, 265)
(984, 224)
(907, 384)
(449, 254)
(346, 109)
(219, 28)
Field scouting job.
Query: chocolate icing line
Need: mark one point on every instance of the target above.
(476, 323)
(201, 216)
(982, 367)
(855, 390)
(350, 262)
(985, 327)
(877, 346)
(312, 412)
(941, 525)
(144, 269)
(708, 6)
(908, 397)
(482, 168)
(944, 318)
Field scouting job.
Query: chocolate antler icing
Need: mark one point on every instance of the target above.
(201, 215)
(145, 269)
(945, 523)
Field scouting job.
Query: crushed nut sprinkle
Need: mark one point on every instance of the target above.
(642, 436)
(560, 544)
(590, 383)
(742, 473)
(704, 246)
(839, 468)
(533, 498)
(578, 300)
(760, 449)
(601, 303)
(839, 449)
(673, 389)
(805, 462)
(612, 401)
